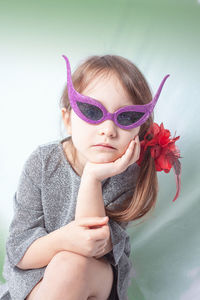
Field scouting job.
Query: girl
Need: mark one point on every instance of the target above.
(75, 197)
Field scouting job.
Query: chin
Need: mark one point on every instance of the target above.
(103, 160)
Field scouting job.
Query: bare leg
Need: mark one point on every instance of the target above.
(70, 276)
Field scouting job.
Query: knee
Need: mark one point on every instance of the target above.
(67, 264)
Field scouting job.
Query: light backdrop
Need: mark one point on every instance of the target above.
(160, 37)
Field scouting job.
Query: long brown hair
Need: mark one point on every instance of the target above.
(131, 78)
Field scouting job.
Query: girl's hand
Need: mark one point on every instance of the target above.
(105, 170)
(87, 236)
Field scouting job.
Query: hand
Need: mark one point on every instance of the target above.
(101, 171)
(87, 236)
(108, 247)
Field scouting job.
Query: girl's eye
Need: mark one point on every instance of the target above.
(90, 111)
(129, 117)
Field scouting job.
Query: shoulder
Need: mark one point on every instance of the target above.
(48, 150)
(45, 157)
(42, 152)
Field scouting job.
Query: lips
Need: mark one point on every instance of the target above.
(105, 145)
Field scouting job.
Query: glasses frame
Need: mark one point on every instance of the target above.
(74, 96)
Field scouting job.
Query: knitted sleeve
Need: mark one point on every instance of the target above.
(28, 222)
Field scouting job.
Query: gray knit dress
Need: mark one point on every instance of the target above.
(45, 200)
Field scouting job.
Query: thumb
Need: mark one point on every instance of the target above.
(92, 221)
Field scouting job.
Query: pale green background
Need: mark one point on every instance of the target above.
(160, 37)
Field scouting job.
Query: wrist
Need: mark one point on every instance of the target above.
(57, 240)
(88, 176)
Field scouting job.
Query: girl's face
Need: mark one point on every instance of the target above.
(85, 136)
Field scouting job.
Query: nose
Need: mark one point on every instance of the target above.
(108, 128)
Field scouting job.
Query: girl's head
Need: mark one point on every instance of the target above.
(97, 68)
(115, 82)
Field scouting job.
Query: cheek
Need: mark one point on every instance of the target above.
(77, 124)
(127, 137)
(131, 134)
(135, 131)
(81, 130)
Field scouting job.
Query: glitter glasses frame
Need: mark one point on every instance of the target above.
(74, 96)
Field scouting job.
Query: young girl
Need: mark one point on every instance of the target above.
(76, 196)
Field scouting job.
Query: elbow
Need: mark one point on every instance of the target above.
(20, 265)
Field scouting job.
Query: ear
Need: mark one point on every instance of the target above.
(66, 117)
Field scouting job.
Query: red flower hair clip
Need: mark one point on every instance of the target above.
(164, 151)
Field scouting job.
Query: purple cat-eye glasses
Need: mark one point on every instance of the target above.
(93, 112)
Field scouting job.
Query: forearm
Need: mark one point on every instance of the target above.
(90, 200)
(40, 252)
(90, 203)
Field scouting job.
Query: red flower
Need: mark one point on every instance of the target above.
(163, 150)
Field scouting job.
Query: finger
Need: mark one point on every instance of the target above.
(102, 225)
(138, 147)
(97, 234)
(136, 151)
(133, 151)
(122, 162)
(100, 244)
(92, 221)
(127, 155)
(101, 248)
(100, 251)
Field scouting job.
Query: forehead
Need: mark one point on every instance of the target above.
(107, 88)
